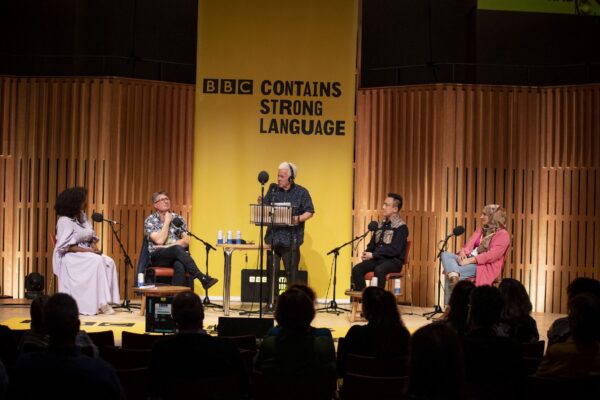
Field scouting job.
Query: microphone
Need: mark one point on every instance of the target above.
(263, 177)
(459, 230)
(272, 190)
(97, 217)
(373, 226)
(177, 222)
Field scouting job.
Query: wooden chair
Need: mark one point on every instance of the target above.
(360, 387)
(405, 274)
(201, 387)
(140, 341)
(245, 342)
(126, 358)
(102, 338)
(18, 334)
(134, 382)
(531, 364)
(539, 388)
(377, 367)
(157, 273)
(297, 388)
(535, 349)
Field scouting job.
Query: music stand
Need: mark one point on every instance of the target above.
(280, 214)
(332, 306)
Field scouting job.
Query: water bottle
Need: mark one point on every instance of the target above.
(140, 281)
(229, 237)
(219, 237)
(397, 287)
(238, 237)
(374, 281)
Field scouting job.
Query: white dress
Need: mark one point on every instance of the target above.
(89, 277)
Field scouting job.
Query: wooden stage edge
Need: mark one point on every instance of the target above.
(14, 312)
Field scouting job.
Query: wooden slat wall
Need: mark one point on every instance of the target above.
(451, 149)
(120, 138)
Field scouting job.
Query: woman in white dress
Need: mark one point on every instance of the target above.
(82, 270)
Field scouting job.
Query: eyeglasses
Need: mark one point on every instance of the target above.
(163, 199)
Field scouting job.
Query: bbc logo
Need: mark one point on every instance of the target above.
(227, 86)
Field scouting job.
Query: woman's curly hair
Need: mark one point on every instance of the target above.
(69, 202)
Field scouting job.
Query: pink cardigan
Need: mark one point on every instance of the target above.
(489, 264)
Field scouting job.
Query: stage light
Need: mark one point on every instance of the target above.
(34, 285)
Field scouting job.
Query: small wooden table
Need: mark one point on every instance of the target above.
(228, 249)
(159, 291)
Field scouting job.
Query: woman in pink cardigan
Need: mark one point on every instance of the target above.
(483, 255)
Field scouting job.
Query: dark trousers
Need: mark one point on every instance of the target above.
(290, 257)
(380, 267)
(180, 260)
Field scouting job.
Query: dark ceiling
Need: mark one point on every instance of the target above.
(403, 42)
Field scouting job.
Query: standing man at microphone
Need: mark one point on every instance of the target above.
(385, 252)
(168, 243)
(286, 240)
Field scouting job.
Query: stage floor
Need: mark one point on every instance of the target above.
(15, 314)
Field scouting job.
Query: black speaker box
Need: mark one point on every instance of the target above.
(240, 326)
(251, 286)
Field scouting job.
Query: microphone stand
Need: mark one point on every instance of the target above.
(261, 248)
(437, 309)
(126, 302)
(206, 302)
(332, 306)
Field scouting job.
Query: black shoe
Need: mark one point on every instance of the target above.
(209, 282)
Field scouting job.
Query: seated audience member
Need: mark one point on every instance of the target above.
(313, 297)
(3, 381)
(516, 321)
(457, 311)
(192, 353)
(579, 355)
(295, 350)
(61, 371)
(36, 338)
(482, 256)
(435, 351)
(8, 346)
(560, 329)
(384, 335)
(489, 357)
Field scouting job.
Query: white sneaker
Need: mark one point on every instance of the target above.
(107, 309)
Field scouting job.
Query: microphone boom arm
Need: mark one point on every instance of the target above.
(206, 244)
(337, 249)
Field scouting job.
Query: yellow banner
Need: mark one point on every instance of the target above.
(275, 82)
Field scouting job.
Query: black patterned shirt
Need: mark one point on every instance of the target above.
(154, 224)
(299, 198)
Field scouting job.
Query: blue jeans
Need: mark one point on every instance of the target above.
(450, 264)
